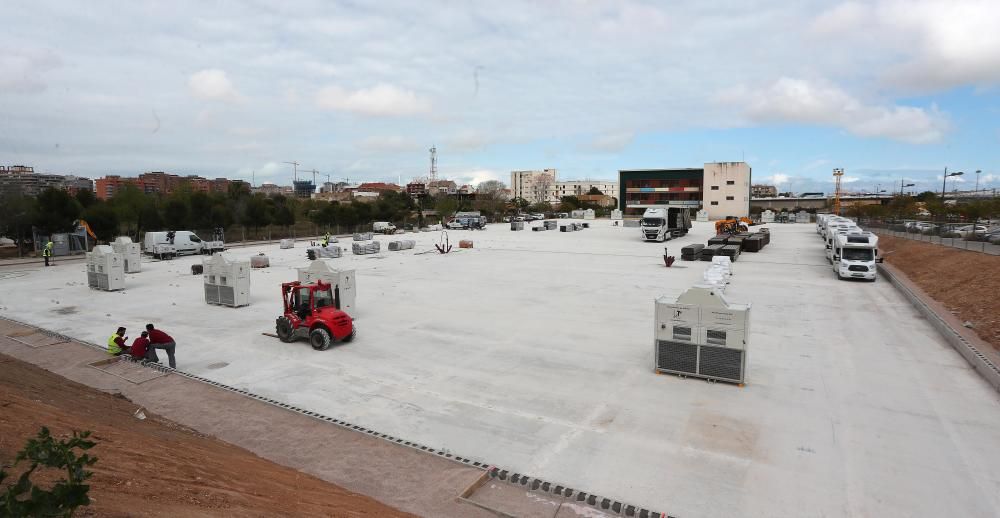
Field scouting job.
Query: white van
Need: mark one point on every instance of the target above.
(855, 255)
(184, 242)
(383, 227)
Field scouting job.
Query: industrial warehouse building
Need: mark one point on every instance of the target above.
(721, 188)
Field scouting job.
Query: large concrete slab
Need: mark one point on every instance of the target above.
(533, 351)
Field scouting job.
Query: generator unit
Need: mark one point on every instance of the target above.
(699, 333)
(105, 269)
(767, 216)
(341, 280)
(227, 282)
(130, 253)
(616, 214)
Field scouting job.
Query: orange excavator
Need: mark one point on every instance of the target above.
(732, 225)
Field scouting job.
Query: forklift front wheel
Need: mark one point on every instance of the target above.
(319, 338)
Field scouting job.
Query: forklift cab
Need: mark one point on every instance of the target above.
(303, 300)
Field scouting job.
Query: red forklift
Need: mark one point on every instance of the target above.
(312, 311)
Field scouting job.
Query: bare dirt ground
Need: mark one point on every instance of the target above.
(965, 282)
(155, 467)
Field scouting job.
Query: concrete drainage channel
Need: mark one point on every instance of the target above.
(602, 504)
(979, 362)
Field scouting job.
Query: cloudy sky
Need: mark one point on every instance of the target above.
(360, 90)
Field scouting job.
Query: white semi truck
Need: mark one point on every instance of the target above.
(666, 223)
(855, 255)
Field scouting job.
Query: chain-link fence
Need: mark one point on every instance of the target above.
(981, 237)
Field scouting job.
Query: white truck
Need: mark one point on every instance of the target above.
(855, 255)
(177, 242)
(661, 224)
(384, 227)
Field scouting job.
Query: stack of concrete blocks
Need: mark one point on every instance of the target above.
(130, 253)
(105, 269)
(227, 281)
(366, 248)
(260, 261)
(702, 215)
(286, 244)
(405, 244)
(343, 282)
(616, 214)
(589, 214)
(323, 252)
(363, 236)
(767, 216)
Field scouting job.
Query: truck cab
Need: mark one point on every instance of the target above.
(661, 224)
(384, 227)
(855, 255)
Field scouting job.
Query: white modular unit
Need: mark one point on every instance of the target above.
(767, 216)
(287, 243)
(702, 215)
(342, 280)
(616, 214)
(130, 253)
(105, 269)
(589, 214)
(577, 214)
(802, 217)
(227, 281)
(699, 333)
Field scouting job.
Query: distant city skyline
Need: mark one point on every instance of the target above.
(886, 90)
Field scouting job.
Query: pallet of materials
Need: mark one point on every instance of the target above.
(735, 240)
(517, 225)
(465, 243)
(539, 229)
(692, 252)
(323, 252)
(363, 236)
(549, 225)
(711, 251)
(718, 240)
(730, 251)
(753, 243)
(366, 248)
(405, 244)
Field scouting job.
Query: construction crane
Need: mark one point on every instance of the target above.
(434, 164)
(837, 174)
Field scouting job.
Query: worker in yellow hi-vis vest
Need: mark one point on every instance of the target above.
(116, 343)
(47, 252)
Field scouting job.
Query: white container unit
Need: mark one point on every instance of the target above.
(702, 215)
(700, 333)
(105, 269)
(767, 216)
(341, 280)
(616, 214)
(589, 214)
(227, 282)
(131, 253)
(286, 244)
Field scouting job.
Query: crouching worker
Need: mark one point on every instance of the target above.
(141, 350)
(160, 340)
(116, 343)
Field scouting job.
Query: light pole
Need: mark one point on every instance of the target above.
(945, 182)
(978, 171)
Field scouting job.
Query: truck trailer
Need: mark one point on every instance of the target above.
(661, 224)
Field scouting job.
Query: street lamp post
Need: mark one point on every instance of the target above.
(944, 183)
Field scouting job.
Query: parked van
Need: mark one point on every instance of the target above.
(384, 227)
(183, 242)
(855, 255)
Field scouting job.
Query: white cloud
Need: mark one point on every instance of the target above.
(379, 100)
(23, 69)
(942, 43)
(611, 142)
(213, 85)
(389, 143)
(776, 179)
(819, 103)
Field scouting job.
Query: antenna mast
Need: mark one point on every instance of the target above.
(837, 173)
(434, 164)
